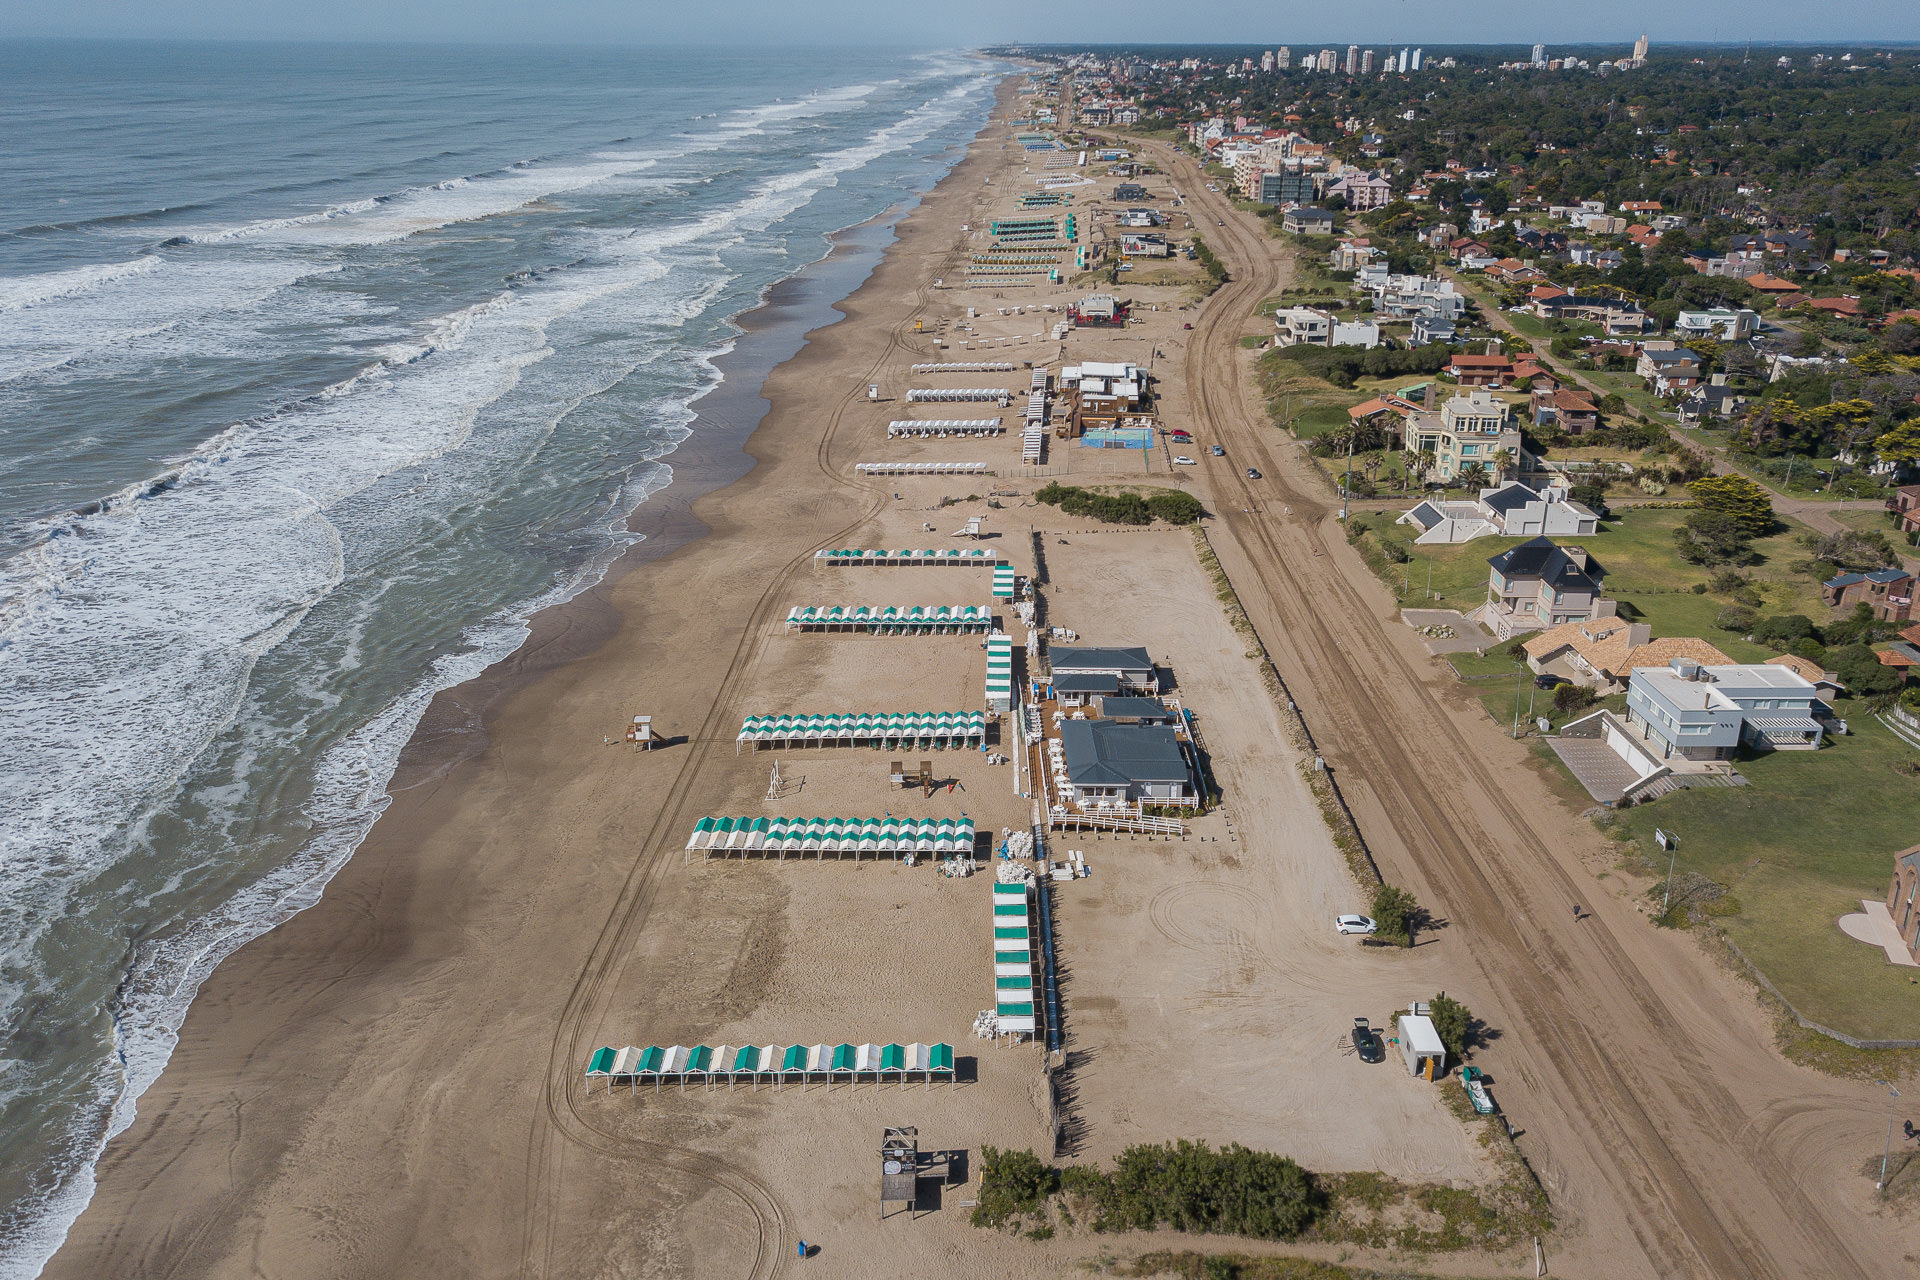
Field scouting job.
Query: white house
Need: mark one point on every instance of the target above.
(1698, 712)
(1356, 333)
(1294, 326)
(1512, 510)
(1721, 322)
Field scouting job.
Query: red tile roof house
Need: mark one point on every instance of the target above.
(1524, 369)
(1888, 592)
(1574, 412)
(1515, 271)
(1903, 899)
(1480, 371)
(1833, 306)
(1467, 248)
(1772, 284)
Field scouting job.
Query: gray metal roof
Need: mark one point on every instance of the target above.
(1117, 708)
(1087, 657)
(1509, 496)
(1086, 682)
(1103, 753)
(1542, 558)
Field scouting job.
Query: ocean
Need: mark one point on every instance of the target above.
(323, 368)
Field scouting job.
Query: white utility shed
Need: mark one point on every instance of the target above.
(1420, 1044)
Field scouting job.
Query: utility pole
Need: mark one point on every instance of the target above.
(1346, 490)
(1893, 1095)
(1517, 677)
(1429, 575)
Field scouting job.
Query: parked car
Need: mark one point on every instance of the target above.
(1253, 473)
(1219, 222)
(1354, 924)
(1366, 1042)
(1186, 326)
(1550, 681)
(1183, 460)
(1218, 452)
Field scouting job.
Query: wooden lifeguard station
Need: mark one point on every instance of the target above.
(640, 734)
(899, 1168)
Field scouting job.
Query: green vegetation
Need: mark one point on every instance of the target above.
(1452, 1022)
(1395, 913)
(1215, 269)
(1012, 1183)
(1192, 1187)
(1174, 506)
(1343, 366)
(1774, 864)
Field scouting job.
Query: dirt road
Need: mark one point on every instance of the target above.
(1653, 1104)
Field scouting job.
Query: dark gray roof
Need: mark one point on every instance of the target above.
(1311, 215)
(1086, 682)
(1133, 708)
(1426, 515)
(1679, 355)
(1510, 496)
(1543, 558)
(1103, 753)
(1090, 657)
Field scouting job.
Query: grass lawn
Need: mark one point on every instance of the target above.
(1643, 572)
(1812, 836)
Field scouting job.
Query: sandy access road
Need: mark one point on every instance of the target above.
(1665, 1126)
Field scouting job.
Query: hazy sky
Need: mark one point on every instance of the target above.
(916, 22)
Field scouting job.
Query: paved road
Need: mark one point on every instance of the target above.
(1673, 1136)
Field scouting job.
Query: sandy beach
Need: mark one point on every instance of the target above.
(392, 1083)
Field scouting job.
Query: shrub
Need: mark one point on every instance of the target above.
(1569, 698)
(1749, 505)
(1175, 507)
(1453, 1022)
(1737, 618)
(1783, 630)
(1012, 1182)
(1394, 912)
(1191, 1187)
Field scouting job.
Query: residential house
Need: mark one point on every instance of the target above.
(1615, 315)
(1138, 244)
(1694, 711)
(1428, 329)
(1668, 368)
(1351, 255)
(1722, 323)
(1510, 510)
(1715, 400)
(1763, 283)
(1514, 271)
(1888, 592)
(1602, 653)
(1480, 371)
(1905, 505)
(1079, 673)
(1403, 297)
(1303, 326)
(1473, 428)
(1541, 584)
(1903, 899)
(1307, 222)
(1466, 247)
(1537, 376)
(1356, 333)
(1848, 307)
(1108, 761)
(1572, 411)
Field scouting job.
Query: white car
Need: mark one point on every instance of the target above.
(1354, 924)
(1183, 460)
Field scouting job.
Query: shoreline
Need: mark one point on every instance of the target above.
(461, 727)
(453, 728)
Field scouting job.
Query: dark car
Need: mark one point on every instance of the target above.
(1253, 473)
(1366, 1042)
(1550, 682)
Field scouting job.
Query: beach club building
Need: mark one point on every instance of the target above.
(1081, 673)
(1108, 761)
